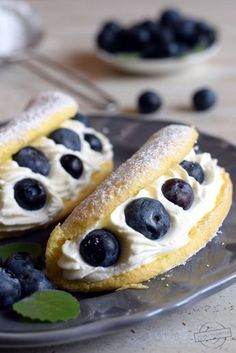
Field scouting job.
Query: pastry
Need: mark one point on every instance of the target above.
(49, 162)
(153, 213)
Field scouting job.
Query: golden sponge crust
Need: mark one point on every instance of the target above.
(162, 151)
(44, 114)
(199, 235)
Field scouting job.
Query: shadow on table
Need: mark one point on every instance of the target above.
(89, 64)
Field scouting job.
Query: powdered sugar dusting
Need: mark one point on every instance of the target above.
(164, 149)
(35, 115)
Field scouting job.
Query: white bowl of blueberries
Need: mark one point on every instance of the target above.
(170, 43)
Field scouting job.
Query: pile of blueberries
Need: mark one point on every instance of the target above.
(172, 35)
(20, 278)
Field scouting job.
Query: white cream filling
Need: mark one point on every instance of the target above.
(136, 249)
(59, 184)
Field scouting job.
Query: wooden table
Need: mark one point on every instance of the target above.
(70, 28)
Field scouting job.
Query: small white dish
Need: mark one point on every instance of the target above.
(136, 65)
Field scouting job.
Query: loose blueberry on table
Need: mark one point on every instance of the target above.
(171, 35)
(148, 217)
(149, 102)
(204, 99)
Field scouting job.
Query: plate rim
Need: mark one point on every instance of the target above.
(103, 327)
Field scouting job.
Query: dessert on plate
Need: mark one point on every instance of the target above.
(49, 161)
(153, 213)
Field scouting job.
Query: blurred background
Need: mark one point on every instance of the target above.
(70, 28)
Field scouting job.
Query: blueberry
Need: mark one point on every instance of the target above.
(170, 17)
(206, 33)
(66, 137)
(10, 288)
(19, 263)
(179, 192)
(33, 159)
(204, 99)
(194, 170)
(148, 217)
(108, 37)
(149, 25)
(30, 194)
(100, 248)
(211, 37)
(108, 41)
(186, 30)
(72, 164)
(152, 51)
(162, 36)
(94, 142)
(202, 27)
(33, 281)
(138, 38)
(111, 26)
(149, 102)
(82, 118)
(172, 50)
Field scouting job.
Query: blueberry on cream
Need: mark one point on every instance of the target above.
(193, 169)
(33, 159)
(72, 165)
(30, 194)
(66, 137)
(100, 248)
(94, 142)
(148, 217)
(179, 192)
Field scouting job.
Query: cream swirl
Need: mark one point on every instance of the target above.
(59, 185)
(136, 249)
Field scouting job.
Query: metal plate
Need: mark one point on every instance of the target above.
(212, 269)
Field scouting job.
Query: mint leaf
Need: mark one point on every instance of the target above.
(48, 305)
(7, 250)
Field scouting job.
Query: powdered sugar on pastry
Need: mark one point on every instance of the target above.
(41, 116)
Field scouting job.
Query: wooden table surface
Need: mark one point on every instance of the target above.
(70, 27)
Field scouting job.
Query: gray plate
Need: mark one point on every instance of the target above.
(212, 269)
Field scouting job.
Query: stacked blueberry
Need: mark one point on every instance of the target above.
(172, 35)
(20, 278)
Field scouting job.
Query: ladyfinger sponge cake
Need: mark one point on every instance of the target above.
(153, 213)
(49, 162)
